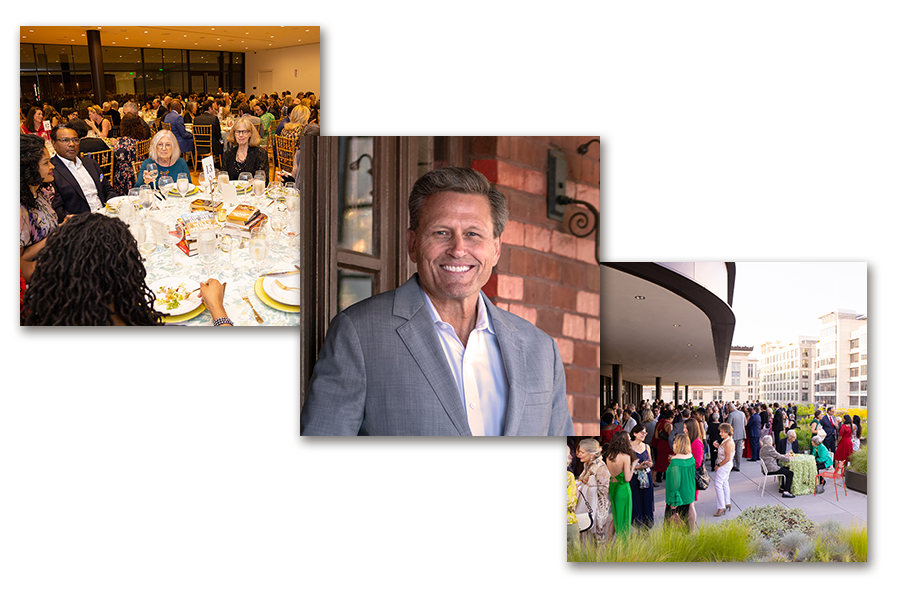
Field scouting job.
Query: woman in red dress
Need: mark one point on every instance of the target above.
(608, 428)
(845, 440)
(661, 443)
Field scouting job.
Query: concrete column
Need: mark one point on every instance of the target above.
(617, 384)
(95, 53)
(659, 388)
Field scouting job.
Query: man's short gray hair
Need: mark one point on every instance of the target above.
(791, 434)
(463, 181)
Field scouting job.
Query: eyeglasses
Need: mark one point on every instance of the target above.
(68, 140)
(237, 131)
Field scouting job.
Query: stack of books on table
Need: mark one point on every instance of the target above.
(189, 225)
(243, 220)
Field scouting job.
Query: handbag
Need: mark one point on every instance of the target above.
(701, 477)
(643, 479)
(585, 520)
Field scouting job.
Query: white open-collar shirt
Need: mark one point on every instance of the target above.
(477, 369)
(85, 181)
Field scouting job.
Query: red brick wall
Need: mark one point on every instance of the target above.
(546, 275)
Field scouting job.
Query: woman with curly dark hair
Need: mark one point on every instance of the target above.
(131, 131)
(36, 215)
(620, 460)
(90, 273)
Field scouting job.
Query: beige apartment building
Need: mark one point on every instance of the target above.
(787, 370)
(741, 383)
(841, 360)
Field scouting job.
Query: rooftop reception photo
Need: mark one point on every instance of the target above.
(157, 173)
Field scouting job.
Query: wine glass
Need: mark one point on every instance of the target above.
(244, 179)
(206, 248)
(173, 237)
(221, 178)
(277, 223)
(165, 184)
(201, 181)
(183, 183)
(228, 244)
(259, 185)
(145, 243)
(152, 171)
(259, 248)
(145, 195)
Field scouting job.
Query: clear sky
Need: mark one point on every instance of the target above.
(783, 300)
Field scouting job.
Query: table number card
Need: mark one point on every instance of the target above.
(209, 171)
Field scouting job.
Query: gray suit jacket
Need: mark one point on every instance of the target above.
(738, 421)
(382, 371)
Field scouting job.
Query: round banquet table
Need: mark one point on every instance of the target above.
(804, 469)
(245, 280)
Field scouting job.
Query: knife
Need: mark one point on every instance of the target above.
(281, 273)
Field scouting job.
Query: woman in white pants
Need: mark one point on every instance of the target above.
(723, 469)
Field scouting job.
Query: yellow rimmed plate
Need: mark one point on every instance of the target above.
(186, 316)
(267, 300)
(173, 193)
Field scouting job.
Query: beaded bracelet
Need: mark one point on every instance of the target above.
(222, 321)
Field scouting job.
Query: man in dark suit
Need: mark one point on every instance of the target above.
(80, 186)
(829, 426)
(754, 428)
(788, 443)
(210, 116)
(777, 423)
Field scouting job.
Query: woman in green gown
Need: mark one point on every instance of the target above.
(620, 460)
(681, 483)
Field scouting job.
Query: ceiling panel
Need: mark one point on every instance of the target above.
(230, 38)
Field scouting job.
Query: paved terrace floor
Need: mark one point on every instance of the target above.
(851, 509)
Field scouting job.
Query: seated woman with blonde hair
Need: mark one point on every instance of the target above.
(244, 154)
(164, 157)
(99, 125)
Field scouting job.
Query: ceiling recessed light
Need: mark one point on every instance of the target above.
(636, 297)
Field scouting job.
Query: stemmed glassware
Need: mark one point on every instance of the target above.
(183, 184)
(165, 184)
(259, 249)
(277, 223)
(152, 171)
(228, 245)
(172, 239)
(259, 185)
(206, 249)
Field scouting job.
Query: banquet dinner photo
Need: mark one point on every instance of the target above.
(157, 173)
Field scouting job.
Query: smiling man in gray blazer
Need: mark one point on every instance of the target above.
(434, 356)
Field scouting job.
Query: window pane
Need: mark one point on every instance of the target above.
(355, 194)
(353, 286)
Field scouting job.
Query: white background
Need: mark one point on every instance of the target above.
(150, 464)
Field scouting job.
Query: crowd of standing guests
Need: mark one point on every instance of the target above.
(611, 476)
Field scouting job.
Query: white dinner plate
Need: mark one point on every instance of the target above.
(114, 203)
(291, 297)
(192, 302)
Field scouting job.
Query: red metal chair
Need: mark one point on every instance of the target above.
(837, 473)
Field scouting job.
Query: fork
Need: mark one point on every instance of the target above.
(259, 319)
(285, 287)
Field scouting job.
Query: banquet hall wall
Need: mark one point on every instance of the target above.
(295, 69)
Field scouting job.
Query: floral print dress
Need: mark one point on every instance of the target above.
(594, 485)
(35, 224)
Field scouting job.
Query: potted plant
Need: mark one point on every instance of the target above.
(855, 473)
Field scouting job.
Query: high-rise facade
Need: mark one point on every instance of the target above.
(787, 370)
(841, 360)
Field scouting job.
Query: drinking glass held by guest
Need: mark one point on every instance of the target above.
(165, 155)
(620, 460)
(36, 215)
(724, 464)
(641, 484)
(770, 457)
(681, 483)
(845, 440)
(593, 485)
(90, 272)
(244, 153)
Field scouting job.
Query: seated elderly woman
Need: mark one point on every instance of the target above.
(821, 454)
(36, 215)
(165, 155)
(90, 272)
(244, 154)
(770, 458)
